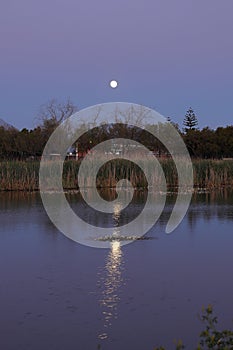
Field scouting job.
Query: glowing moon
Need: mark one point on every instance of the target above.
(113, 84)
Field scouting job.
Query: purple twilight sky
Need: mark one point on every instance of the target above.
(166, 54)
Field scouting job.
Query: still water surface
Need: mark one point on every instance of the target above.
(57, 294)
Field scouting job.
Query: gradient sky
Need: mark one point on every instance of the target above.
(166, 54)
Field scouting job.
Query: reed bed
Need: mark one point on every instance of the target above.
(19, 176)
(211, 174)
(208, 174)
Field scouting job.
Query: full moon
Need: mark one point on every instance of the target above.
(113, 84)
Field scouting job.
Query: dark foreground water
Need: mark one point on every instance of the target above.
(56, 294)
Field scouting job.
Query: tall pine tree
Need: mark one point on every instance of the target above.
(190, 121)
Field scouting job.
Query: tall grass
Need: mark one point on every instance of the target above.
(212, 174)
(19, 176)
(208, 174)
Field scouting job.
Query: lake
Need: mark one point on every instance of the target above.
(58, 294)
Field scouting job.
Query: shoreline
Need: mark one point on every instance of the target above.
(170, 191)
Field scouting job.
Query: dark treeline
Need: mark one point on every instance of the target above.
(29, 144)
(22, 144)
(205, 143)
(210, 144)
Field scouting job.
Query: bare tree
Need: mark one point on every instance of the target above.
(56, 111)
(52, 114)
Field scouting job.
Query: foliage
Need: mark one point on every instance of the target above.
(208, 174)
(190, 121)
(210, 337)
(29, 144)
(19, 176)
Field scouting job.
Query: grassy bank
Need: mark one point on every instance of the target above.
(208, 174)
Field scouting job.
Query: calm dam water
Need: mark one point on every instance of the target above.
(57, 294)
